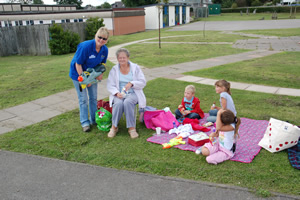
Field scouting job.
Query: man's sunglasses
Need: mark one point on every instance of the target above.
(102, 38)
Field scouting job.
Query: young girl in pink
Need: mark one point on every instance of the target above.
(223, 144)
(223, 88)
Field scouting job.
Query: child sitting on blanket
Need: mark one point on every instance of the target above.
(190, 105)
(223, 144)
(223, 88)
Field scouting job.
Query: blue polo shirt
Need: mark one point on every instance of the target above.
(87, 56)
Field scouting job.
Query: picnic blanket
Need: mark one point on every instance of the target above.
(251, 132)
(294, 155)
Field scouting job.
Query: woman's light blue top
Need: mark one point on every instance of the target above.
(124, 79)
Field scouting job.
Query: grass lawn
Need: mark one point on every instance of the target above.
(280, 70)
(275, 32)
(120, 39)
(61, 137)
(26, 78)
(209, 36)
(245, 17)
(150, 56)
(40, 76)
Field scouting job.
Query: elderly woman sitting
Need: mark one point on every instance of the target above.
(125, 84)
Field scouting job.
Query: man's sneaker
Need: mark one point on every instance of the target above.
(86, 128)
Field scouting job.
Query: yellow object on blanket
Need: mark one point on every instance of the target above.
(173, 142)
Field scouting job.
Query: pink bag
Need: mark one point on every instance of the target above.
(159, 118)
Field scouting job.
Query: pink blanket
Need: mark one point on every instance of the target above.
(251, 132)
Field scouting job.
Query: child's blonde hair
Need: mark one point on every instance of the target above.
(191, 88)
(227, 117)
(225, 84)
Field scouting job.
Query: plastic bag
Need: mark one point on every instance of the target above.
(103, 119)
(104, 104)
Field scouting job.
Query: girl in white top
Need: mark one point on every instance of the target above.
(227, 126)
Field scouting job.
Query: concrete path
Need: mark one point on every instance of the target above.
(33, 177)
(28, 177)
(242, 86)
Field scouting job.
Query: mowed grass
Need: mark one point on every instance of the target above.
(267, 172)
(150, 56)
(206, 36)
(121, 39)
(245, 17)
(26, 78)
(280, 70)
(275, 32)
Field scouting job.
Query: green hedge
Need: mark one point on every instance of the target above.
(62, 42)
(278, 9)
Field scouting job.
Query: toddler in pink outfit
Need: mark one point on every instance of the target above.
(227, 126)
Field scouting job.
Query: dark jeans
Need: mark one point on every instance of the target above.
(191, 115)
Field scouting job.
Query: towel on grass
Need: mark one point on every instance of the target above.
(294, 155)
(251, 132)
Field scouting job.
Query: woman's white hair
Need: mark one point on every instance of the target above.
(122, 50)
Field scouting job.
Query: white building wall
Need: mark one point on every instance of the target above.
(187, 12)
(151, 17)
(47, 21)
(161, 9)
(180, 14)
(108, 23)
(171, 15)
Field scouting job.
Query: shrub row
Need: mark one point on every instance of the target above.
(62, 42)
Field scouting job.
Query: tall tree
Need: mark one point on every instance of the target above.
(38, 2)
(136, 3)
(106, 5)
(74, 2)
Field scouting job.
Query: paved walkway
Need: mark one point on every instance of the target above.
(33, 177)
(28, 177)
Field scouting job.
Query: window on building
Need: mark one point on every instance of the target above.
(75, 20)
(63, 21)
(41, 22)
(31, 22)
(9, 24)
(27, 23)
(6, 24)
(20, 22)
(80, 20)
(52, 21)
(68, 20)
